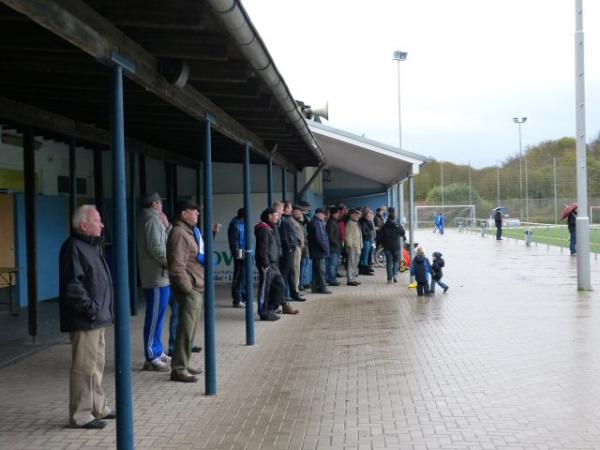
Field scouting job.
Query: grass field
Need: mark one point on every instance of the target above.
(550, 234)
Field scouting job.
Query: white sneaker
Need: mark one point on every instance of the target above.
(156, 365)
(165, 358)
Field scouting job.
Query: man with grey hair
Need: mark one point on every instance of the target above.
(86, 309)
(152, 230)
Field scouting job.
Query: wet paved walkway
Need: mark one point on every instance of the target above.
(509, 358)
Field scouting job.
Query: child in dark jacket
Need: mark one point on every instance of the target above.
(421, 268)
(436, 272)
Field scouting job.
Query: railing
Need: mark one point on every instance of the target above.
(529, 232)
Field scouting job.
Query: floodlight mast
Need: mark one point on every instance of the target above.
(520, 122)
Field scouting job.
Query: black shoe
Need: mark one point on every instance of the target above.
(270, 316)
(446, 289)
(298, 299)
(95, 424)
(196, 349)
(239, 305)
(323, 292)
(339, 275)
(352, 283)
(395, 280)
(334, 284)
(301, 288)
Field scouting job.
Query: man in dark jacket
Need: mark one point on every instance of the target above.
(318, 244)
(335, 246)
(86, 309)
(271, 284)
(498, 222)
(289, 244)
(572, 225)
(390, 236)
(237, 246)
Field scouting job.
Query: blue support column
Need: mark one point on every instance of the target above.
(250, 339)
(283, 184)
(270, 180)
(121, 273)
(210, 348)
(132, 233)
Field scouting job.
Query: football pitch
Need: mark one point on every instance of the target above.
(549, 234)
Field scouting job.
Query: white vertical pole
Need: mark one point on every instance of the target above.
(498, 182)
(583, 225)
(555, 194)
(399, 111)
(442, 182)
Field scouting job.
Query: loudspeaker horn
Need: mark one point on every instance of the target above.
(320, 111)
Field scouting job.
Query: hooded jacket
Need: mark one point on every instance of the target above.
(235, 236)
(85, 285)
(436, 266)
(420, 268)
(152, 249)
(367, 229)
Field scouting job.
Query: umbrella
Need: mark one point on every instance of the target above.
(568, 210)
(497, 208)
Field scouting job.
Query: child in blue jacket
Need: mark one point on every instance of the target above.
(436, 272)
(421, 268)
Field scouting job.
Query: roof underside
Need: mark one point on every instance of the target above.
(40, 68)
(369, 159)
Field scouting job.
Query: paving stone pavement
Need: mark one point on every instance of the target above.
(507, 359)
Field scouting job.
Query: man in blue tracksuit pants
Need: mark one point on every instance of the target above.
(152, 231)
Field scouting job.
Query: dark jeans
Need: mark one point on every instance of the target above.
(318, 278)
(422, 288)
(238, 282)
(305, 271)
(498, 233)
(573, 242)
(392, 263)
(365, 256)
(271, 289)
(440, 282)
(286, 265)
(332, 264)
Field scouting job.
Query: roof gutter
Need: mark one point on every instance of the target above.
(234, 18)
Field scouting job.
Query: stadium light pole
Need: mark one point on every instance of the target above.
(399, 56)
(498, 182)
(521, 121)
(584, 282)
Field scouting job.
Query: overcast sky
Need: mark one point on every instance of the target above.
(472, 66)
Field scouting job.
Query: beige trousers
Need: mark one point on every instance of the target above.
(86, 397)
(297, 258)
(190, 311)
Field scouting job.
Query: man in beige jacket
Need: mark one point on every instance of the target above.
(185, 251)
(354, 244)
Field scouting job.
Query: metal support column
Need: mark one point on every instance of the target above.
(584, 281)
(210, 358)
(30, 219)
(142, 172)
(72, 178)
(98, 181)
(250, 338)
(283, 184)
(400, 202)
(295, 198)
(411, 219)
(124, 394)
(270, 180)
(133, 181)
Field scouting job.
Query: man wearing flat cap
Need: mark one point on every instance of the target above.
(152, 230)
(185, 258)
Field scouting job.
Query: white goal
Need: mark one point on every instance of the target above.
(454, 215)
